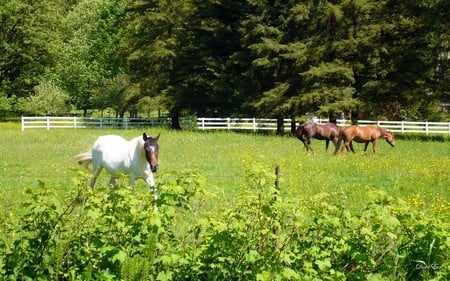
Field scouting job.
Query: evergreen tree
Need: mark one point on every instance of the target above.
(159, 49)
(217, 81)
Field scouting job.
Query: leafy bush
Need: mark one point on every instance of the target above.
(117, 235)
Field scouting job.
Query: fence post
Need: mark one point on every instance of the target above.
(426, 127)
(48, 123)
(74, 122)
(101, 122)
(277, 179)
(254, 124)
(228, 123)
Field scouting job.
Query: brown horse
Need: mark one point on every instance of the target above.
(328, 132)
(365, 134)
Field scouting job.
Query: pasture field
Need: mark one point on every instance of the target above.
(415, 170)
(220, 217)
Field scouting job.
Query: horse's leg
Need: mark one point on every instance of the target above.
(113, 180)
(374, 146)
(95, 172)
(308, 143)
(151, 183)
(366, 144)
(327, 142)
(336, 145)
(303, 141)
(344, 146)
(131, 181)
(351, 147)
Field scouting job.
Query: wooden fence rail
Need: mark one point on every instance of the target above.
(253, 124)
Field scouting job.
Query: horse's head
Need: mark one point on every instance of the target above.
(389, 137)
(151, 151)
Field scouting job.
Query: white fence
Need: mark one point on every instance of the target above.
(50, 122)
(256, 124)
(253, 124)
(424, 127)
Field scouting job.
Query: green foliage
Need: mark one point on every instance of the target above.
(5, 106)
(49, 100)
(115, 234)
(28, 35)
(378, 59)
(88, 52)
(99, 234)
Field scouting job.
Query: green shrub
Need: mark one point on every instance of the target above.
(117, 235)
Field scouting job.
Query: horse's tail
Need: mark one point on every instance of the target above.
(340, 138)
(83, 158)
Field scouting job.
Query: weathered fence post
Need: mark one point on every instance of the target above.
(276, 227)
(277, 181)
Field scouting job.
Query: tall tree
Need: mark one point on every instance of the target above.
(328, 82)
(88, 48)
(396, 58)
(158, 48)
(217, 58)
(263, 35)
(27, 37)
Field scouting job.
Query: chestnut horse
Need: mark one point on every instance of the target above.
(328, 132)
(365, 134)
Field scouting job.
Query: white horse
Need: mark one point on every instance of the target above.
(137, 158)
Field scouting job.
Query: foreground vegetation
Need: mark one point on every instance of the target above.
(106, 236)
(220, 216)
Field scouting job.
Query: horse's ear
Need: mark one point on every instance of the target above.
(157, 137)
(144, 136)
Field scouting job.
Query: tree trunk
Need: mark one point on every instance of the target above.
(175, 116)
(280, 125)
(293, 125)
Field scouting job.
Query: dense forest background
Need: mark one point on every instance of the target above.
(374, 59)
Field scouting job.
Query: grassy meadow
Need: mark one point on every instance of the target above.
(415, 170)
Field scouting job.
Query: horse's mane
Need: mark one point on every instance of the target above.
(383, 131)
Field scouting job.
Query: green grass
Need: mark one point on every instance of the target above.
(415, 170)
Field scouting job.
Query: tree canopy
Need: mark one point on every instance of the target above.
(281, 59)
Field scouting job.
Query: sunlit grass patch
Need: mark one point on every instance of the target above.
(413, 167)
